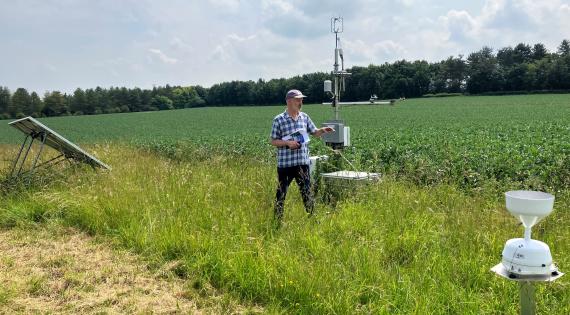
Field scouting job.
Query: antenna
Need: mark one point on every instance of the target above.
(336, 25)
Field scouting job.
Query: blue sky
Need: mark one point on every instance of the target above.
(65, 44)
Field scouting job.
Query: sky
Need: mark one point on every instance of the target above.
(49, 45)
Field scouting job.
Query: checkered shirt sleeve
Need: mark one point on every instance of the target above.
(275, 130)
(311, 128)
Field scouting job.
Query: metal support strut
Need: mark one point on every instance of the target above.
(15, 164)
(22, 160)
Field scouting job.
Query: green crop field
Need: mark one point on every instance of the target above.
(465, 141)
(196, 186)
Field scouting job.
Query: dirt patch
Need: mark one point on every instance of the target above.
(60, 270)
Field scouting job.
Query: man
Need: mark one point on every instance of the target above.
(293, 151)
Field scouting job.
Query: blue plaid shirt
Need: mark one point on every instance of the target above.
(283, 125)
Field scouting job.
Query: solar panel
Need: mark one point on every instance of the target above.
(35, 129)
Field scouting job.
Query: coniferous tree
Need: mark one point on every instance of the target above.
(78, 103)
(90, 102)
(36, 104)
(21, 103)
(4, 102)
(539, 51)
(522, 53)
(101, 101)
(564, 48)
(134, 102)
(506, 57)
(54, 104)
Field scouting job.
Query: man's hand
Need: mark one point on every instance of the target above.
(320, 131)
(293, 145)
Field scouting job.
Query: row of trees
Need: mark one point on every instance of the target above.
(98, 101)
(522, 68)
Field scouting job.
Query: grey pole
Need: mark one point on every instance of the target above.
(527, 285)
(528, 304)
(336, 102)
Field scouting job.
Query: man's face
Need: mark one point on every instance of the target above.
(299, 103)
(295, 103)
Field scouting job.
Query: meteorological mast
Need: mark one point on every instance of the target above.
(339, 75)
(340, 138)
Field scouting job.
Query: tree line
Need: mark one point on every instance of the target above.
(522, 68)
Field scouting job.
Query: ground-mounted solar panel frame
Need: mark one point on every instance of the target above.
(36, 131)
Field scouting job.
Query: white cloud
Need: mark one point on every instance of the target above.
(238, 38)
(219, 54)
(164, 58)
(502, 23)
(461, 26)
(362, 52)
(137, 42)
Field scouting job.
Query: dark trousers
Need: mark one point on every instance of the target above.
(302, 176)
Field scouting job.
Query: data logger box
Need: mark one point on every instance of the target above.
(340, 136)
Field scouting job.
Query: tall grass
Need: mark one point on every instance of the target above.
(392, 247)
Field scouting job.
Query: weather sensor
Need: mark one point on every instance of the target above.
(523, 259)
(525, 256)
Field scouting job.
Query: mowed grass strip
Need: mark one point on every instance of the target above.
(390, 248)
(52, 269)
